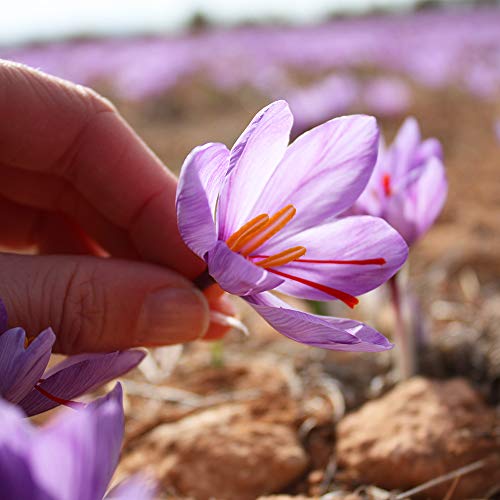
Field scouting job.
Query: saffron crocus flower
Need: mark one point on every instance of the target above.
(496, 129)
(23, 363)
(408, 186)
(73, 457)
(262, 216)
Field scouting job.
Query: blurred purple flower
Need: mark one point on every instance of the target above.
(436, 49)
(253, 212)
(73, 457)
(321, 101)
(408, 186)
(496, 129)
(23, 362)
(386, 96)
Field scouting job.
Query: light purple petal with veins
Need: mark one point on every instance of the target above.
(197, 192)
(317, 331)
(75, 456)
(254, 158)
(77, 375)
(353, 238)
(322, 173)
(237, 275)
(20, 367)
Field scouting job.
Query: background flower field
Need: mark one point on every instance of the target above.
(274, 416)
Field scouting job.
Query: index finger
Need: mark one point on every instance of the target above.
(53, 126)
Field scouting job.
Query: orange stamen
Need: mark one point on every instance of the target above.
(258, 237)
(386, 183)
(27, 341)
(282, 258)
(58, 400)
(249, 228)
(347, 299)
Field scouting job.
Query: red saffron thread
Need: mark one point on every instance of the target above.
(58, 400)
(363, 262)
(347, 299)
(386, 183)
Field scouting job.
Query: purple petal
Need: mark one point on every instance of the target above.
(352, 238)
(237, 275)
(253, 159)
(199, 186)
(79, 374)
(20, 368)
(4, 318)
(413, 210)
(78, 452)
(15, 432)
(16, 479)
(318, 331)
(429, 148)
(132, 489)
(16, 435)
(430, 192)
(322, 173)
(401, 154)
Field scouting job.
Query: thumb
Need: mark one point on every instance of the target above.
(96, 304)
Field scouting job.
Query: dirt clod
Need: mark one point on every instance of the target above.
(422, 429)
(222, 453)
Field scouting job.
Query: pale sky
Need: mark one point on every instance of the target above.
(28, 20)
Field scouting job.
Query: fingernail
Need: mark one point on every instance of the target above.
(172, 316)
(229, 321)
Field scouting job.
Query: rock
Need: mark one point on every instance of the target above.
(238, 461)
(221, 453)
(422, 429)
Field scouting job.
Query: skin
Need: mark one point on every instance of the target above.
(93, 211)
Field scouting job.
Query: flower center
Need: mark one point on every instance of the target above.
(260, 229)
(252, 235)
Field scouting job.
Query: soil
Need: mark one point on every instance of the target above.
(266, 421)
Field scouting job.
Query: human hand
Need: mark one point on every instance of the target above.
(78, 184)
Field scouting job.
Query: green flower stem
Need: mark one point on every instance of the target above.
(217, 354)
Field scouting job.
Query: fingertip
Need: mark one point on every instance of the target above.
(172, 316)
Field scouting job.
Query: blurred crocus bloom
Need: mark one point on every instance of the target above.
(23, 363)
(496, 128)
(408, 186)
(73, 457)
(262, 216)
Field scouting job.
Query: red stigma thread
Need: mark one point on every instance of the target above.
(60, 401)
(364, 262)
(347, 299)
(386, 183)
